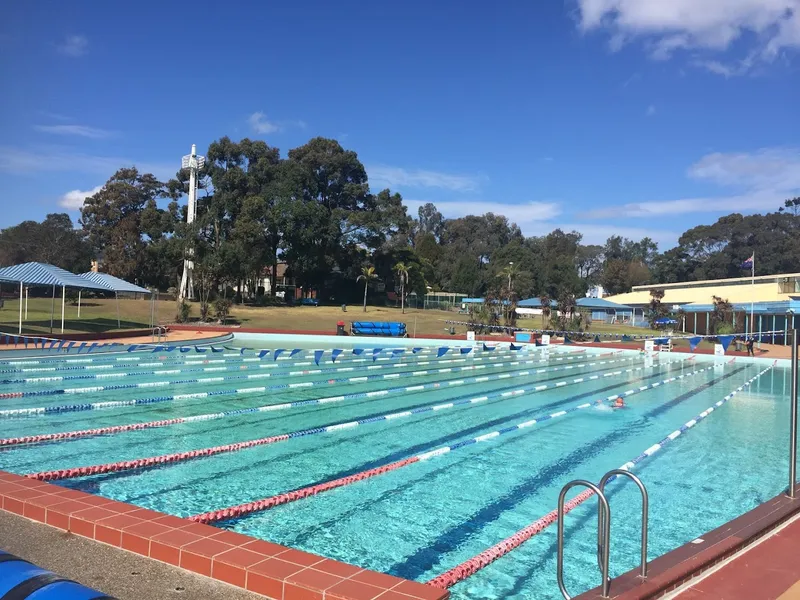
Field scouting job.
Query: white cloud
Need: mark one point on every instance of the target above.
(397, 177)
(775, 169)
(74, 199)
(79, 130)
(707, 25)
(539, 218)
(762, 180)
(651, 110)
(259, 123)
(73, 45)
(21, 161)
(526, 212)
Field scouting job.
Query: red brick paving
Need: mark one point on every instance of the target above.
(275, 571)
(765, 571)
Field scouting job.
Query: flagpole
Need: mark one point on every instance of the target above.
(752, 294)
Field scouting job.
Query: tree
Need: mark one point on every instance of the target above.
(431, 221)
(721, 316)
(402, 272)
(54, 241)
(791, 205)
(545, 301)
(112, 220)
(509, 272)
(656, 309)
(367, 274)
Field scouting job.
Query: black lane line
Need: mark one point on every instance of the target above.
(425, 559)
(165, 410)
(145, 443)
(428, 445)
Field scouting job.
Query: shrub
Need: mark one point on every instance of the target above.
(184, 309)
(222, 308)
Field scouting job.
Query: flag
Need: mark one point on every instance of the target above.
(748, 264)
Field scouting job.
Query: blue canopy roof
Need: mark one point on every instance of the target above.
(534, 303)
(42, 274)
(114, 283)
(601, 303)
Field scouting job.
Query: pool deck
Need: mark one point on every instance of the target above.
(768, 570)
(274, 571)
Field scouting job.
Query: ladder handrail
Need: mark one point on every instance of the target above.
(602, 545)
(604, 524)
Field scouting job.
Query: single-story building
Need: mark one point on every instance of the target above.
(774, 301)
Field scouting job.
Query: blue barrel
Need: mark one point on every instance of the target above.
(21, 580)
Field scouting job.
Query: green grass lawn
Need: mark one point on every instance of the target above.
(99, 315)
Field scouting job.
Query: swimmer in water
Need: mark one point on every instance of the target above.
(619, 402)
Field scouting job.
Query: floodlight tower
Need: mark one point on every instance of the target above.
(193, 163)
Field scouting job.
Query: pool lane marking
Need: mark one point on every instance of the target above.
(114, 429)
(63, 408)
(314, 489)
(263, 364)
(167, 360)
(236, 446)
(275, 374)
(488, 556)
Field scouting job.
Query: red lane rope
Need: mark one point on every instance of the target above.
(488, 556)
(126, 465)
(242, 509)
(65, 435)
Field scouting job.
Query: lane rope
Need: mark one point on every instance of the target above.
(312, 490)
(64, 408)
(69, 473)
(34, 439)
(488, 556)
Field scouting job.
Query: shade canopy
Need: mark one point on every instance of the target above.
(115, 284)
(42, 274)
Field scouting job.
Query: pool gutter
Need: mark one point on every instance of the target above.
(672, 570)
(262, 567)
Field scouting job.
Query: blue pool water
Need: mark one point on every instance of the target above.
(423, 519)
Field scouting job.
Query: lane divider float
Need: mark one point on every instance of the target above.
(64, 408)
(233, 447)
(488, 556)
(312, 490)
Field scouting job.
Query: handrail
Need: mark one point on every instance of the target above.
(158, 330)
(605, 524)
(793, 419)
(604, 544)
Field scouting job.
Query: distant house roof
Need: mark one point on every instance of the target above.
(601, 303)
(760, 292)
(115, 284)
(42, 274)
(535, 303)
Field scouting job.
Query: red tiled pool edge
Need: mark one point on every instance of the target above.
(272, 570)
(672, 570)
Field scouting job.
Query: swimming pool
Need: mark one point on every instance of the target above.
(413, 492)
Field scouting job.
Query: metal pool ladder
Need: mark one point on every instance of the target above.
(603, 527)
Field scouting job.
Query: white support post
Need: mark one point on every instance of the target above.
(79, 303)
(27, 290)
(20, 308)
(116, 297)
(63, 305)
(193, 163)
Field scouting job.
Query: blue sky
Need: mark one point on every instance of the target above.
(631, 117)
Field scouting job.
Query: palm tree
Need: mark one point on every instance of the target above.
(509, 272)
(367, 274)
(402, 271)
(544, 299)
